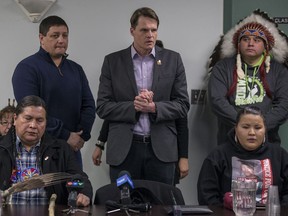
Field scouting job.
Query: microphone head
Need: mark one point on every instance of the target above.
(76, 183)
(124, 179)
(124, 172)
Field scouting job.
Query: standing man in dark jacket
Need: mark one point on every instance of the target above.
(142, 91)
(26, 151)
(182, 167)
(60, 82)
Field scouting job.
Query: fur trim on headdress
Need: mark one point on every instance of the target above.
(277, 41)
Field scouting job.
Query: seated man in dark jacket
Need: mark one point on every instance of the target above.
(28, 151)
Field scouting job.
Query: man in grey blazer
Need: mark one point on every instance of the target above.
(142, 91)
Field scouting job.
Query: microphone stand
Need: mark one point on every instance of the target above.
(72, 198)
(135, 208)
(124, 183)
(124, 208)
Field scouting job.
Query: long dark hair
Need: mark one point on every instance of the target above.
(263, 79)
(31, 100)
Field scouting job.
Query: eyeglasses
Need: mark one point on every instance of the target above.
(6, 123)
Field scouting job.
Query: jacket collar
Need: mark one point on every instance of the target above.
(8, 143)
(44, 54)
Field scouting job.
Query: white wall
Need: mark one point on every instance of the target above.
(98, 27)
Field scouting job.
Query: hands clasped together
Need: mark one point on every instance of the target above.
(144, 102)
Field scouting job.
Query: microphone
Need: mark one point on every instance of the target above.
(74, 186)
(124, 183)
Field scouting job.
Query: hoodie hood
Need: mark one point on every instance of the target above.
(239, 149)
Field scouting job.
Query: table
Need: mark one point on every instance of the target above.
(18, 210)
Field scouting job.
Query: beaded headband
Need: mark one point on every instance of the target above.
(254, 29)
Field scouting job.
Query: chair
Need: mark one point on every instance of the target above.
(155, 193)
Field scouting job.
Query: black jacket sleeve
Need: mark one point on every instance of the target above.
(208, 185)
(58, 156)
(103, 136)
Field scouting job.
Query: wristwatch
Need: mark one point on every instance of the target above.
(100, 144)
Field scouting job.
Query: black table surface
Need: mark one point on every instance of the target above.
(20, 210)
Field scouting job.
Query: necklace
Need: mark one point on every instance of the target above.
(252, 89)
(248, 80)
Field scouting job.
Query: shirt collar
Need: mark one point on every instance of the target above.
(134, 52)
(18, 141)
(46, 54)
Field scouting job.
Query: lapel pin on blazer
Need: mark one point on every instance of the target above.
(159, 62)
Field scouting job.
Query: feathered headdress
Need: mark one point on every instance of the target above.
(258, 24)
